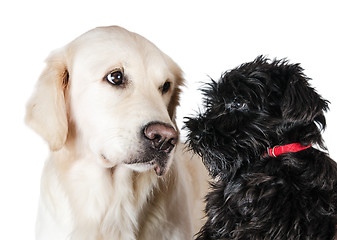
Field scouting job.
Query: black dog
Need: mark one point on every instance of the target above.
(255, 138)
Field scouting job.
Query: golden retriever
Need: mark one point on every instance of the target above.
(106, 106)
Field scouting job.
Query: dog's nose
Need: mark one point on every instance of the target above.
(162, 136)
(196, 138)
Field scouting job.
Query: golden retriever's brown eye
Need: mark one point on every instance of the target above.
(115, 78)
(166, 87)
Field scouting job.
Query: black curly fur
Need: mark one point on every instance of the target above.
(293, 196)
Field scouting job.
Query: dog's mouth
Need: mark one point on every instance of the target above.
(155, 150)
(159, 169)
(159, 164)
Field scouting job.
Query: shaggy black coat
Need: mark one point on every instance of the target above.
(259, 105)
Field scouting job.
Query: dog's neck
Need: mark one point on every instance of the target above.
(278, 150)
(304, 133)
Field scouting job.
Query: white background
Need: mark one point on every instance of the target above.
(204, 37)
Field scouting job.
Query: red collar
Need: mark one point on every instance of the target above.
(278, 150)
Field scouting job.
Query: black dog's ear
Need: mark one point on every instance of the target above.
(301, 102)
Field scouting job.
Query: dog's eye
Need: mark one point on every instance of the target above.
(115, 77)
(166, 87)
(238, 104)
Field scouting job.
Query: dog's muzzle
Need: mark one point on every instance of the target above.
(160, 139)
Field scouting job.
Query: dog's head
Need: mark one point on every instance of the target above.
(111, 95)
(257, 105)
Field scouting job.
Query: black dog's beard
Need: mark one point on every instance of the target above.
(222, 151)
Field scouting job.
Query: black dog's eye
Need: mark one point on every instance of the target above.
(115, 77)
(238, 104)
(166, 87)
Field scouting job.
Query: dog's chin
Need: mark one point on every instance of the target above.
(214, 161)
(213, 169)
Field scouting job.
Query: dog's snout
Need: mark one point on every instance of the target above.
(163, 137)
(196, 137)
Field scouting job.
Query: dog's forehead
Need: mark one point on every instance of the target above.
(232, 86)
(228, 84)
(107, 48)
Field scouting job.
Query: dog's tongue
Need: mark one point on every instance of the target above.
(159, 171)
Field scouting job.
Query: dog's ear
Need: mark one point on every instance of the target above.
(46, 109)
(301, 102)
(174, 102)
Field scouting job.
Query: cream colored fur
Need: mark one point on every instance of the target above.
(88, 189)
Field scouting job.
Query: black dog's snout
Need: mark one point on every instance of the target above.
(196, 137)
(163, 137)
(195, 131)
